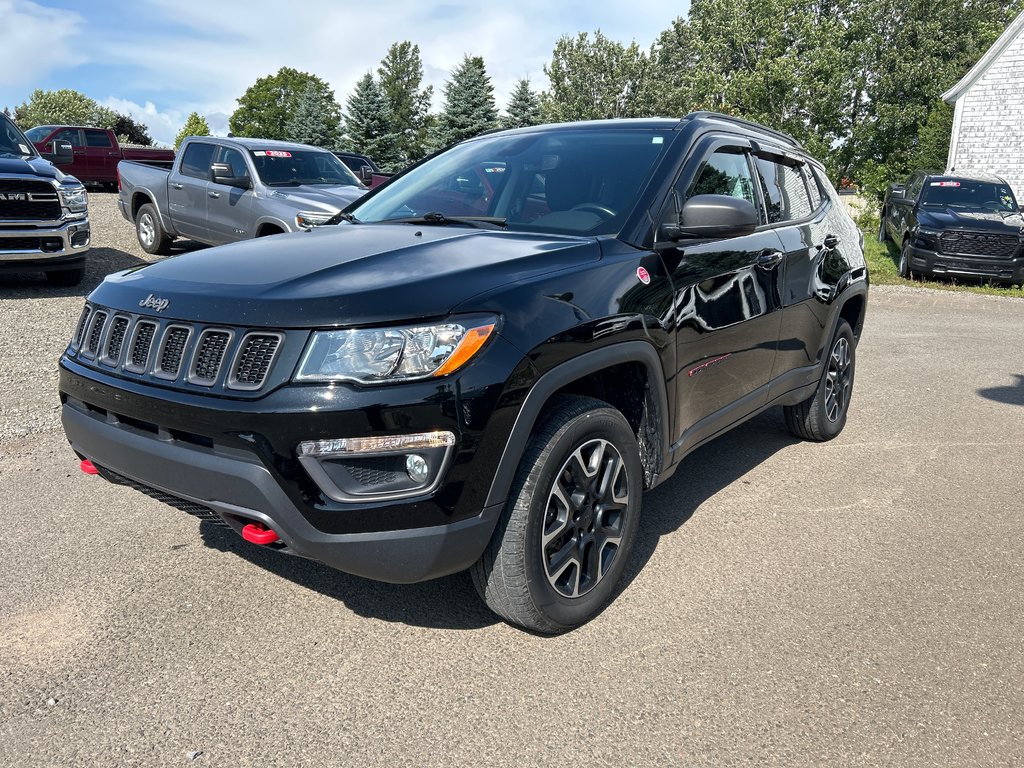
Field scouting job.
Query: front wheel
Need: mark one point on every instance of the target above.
(904, 266)
(883, 232)
(822, 416)
(573, 512)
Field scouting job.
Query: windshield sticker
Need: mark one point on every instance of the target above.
(944, 184)
(657, 140)
(277, 153)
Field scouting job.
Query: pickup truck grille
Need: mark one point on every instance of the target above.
(28, 201)
(171, 352)
(979, 244)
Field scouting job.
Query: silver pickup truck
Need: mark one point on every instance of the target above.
(223, 190)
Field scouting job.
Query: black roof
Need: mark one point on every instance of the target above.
(982, 176)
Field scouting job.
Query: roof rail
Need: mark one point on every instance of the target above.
(746, 124)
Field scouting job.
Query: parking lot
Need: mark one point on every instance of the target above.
(857, 602)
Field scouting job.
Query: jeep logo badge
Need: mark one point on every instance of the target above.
(154, 302)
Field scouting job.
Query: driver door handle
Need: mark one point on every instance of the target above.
(211, 193)
(176, 185)
(768, 259)
(831, 241)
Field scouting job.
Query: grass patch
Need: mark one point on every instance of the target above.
(883, 260)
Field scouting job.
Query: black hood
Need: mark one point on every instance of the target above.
(993, 222)
(33, 166)
(347, 274)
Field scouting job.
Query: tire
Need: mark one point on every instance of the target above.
(554, 586)
(66, 277)
(883, 232)
(822, 416)
(904, 265)
(150, 232)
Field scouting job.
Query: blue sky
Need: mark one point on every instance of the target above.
(162, 59)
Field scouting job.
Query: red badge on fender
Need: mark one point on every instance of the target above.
(643, 275)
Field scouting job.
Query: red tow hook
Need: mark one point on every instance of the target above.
(257, 533)
(88, 467)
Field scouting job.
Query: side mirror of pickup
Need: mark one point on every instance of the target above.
(222, 174)
(366, 174)
(897, 192)
(60, 152)
(712, 217)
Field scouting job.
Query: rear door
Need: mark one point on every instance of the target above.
(101, 156)
(726, 300)
(230, 209)
(187, 187)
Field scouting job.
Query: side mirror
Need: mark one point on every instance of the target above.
(60, 152)
(366, 174)
(897, 192)
(712, 217)
(222, 174)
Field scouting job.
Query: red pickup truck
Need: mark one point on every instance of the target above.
(95, 151)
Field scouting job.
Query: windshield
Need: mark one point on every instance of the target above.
(284, 168)
(12, 142)
(577, 181)
(39, 133)
(971, 195)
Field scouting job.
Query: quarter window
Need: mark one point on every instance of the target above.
(785, 193)
(197, 160)
(813, 188)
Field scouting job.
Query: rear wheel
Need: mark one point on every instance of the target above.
(563, 540)
(150, 232)
(822, 416)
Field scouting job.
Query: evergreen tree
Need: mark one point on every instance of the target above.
(309, 124)
(130, 131)
(367, 125)
(195, 125)
(523, 107)
(401, 74)
(468, 104)
(266, 107)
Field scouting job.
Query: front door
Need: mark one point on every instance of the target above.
(230, 209)
(187, 188)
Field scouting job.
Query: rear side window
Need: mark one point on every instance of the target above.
(197, 160)
(97, 139)
(785, 192)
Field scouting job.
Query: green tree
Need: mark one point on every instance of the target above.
(469, 108)
(195, 125)
(932, 147)
(309, 124)
(593, 79)
(367, 125)
(130, 131)
(268, 104)
(62, 107)
(401, 75)
(523, 108)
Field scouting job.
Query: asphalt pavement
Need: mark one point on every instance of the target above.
(852, 603)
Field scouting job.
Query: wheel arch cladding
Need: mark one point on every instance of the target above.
(628, 376)
(852, 312)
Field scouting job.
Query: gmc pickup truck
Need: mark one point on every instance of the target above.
(95, 152)
(223, 190)
(488, 360)
(44, 213)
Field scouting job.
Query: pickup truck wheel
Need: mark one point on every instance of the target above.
(822, 416)
(65, 277)
(572, 516)
(883, 233)
(150, 231)
(904, 266)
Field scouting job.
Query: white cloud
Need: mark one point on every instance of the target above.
(31, 38)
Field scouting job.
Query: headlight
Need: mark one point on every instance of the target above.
(925, 232)
(310, 220)
(74, 199)
(372, 355)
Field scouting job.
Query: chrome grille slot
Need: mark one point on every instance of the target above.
(115, 341)
(209, 356)
(172, 350)
(92, 343)
(83, 322)
(140, 344)
(254, 359)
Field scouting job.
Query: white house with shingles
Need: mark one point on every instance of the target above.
(988, 117)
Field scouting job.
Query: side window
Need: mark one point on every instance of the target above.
(785, 193)
(725, 173)
(233, 158)
(813, 188)
(97, 139)
(197, 160)
(72, 135)
(914, 189)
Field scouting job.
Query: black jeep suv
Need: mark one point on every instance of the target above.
(968, 225)
(487, 361)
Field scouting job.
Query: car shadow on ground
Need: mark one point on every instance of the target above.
(1011, 395)
(452, 602)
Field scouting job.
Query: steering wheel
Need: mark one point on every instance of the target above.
(600, 210)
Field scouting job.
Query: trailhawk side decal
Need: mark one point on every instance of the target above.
(708, 363)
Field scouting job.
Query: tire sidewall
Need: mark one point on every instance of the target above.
(158, 232)
(611, 426)
(833, 428)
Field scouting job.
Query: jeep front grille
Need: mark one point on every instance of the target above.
(174, 353)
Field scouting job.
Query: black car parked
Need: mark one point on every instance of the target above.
(967, 225)
(488, 360)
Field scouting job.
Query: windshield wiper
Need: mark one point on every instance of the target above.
(437, 218)
(342, 216)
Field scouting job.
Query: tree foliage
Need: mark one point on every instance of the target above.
(367, 125)
(309, 124)
(267, 106)
(523, 108)
(594, 79)
(401, 78)
(62, 107)
(195, 125)
(469, 107)
(130, 131)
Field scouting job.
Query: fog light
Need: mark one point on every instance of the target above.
(417, 468)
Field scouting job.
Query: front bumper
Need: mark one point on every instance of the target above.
(43, 245)
(924, 261)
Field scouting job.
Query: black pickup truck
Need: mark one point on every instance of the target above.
(967, 225)
(485, 362)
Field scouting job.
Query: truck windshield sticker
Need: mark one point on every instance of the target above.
(275, 153)
(944, 184)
